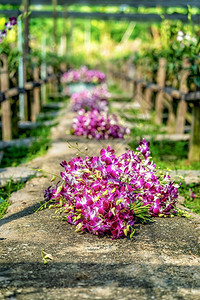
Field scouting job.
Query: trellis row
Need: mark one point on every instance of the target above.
(165, 97)
(33, 91)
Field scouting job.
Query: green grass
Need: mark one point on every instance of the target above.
(5, 193)
(14, 156)
(186, 191)
(141, 126)
(165, 153)
(115, 89)
(169, 155)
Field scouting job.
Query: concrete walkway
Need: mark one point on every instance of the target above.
(162, 261)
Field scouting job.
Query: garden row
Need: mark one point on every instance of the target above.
(175, 107)
(106, 193)
(22, 101)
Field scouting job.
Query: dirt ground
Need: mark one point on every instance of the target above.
(162, 261)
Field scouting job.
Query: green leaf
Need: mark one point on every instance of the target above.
(197, 81)
(78, 227)
(59, 189)
(53, 178)
(132, 232)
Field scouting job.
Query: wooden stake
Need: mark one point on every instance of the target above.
(43, 70)
(36, 94)
(147, 99)
(159, 97)
(5, 105)
(64, 32)
(26, 51)
(194, 151)
(182, 105)
(71, 36)
(168, 102)
(22, 100)
(54, 3)
(138, 95)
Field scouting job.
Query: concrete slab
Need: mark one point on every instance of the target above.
(16, 174)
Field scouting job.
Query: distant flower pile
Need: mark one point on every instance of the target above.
(101, 92)
(107, 194)
(92, 120)
(90, 100)
(84, 75)
(98, 125)
(8, 26)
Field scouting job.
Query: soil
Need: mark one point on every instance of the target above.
(162, 261)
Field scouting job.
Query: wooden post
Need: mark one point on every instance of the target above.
(49, 84)
(54, 3)
(159, 97)
(121, 76)
(128, 86)
(63, 46)
(71, 36)
(148, 97)
(130, 74)
(168, 101)
(26, 4)
(87, 33)
(139, 95)
(125, 76)
(26, 51)
(182, 105)
(36, 95)
(43, 70)
(15, 116)
(5, 105)
(194, 151)
(22, 99)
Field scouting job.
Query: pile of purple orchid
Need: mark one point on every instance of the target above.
(8, 26)
(107, 194)
(83, 75)
(97, 99)
(98, 125)
(93, 120)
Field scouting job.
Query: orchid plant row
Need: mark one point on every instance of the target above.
(8, 26)
(97, 99)
(97, 125)
(108, 194)
(83, 75)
